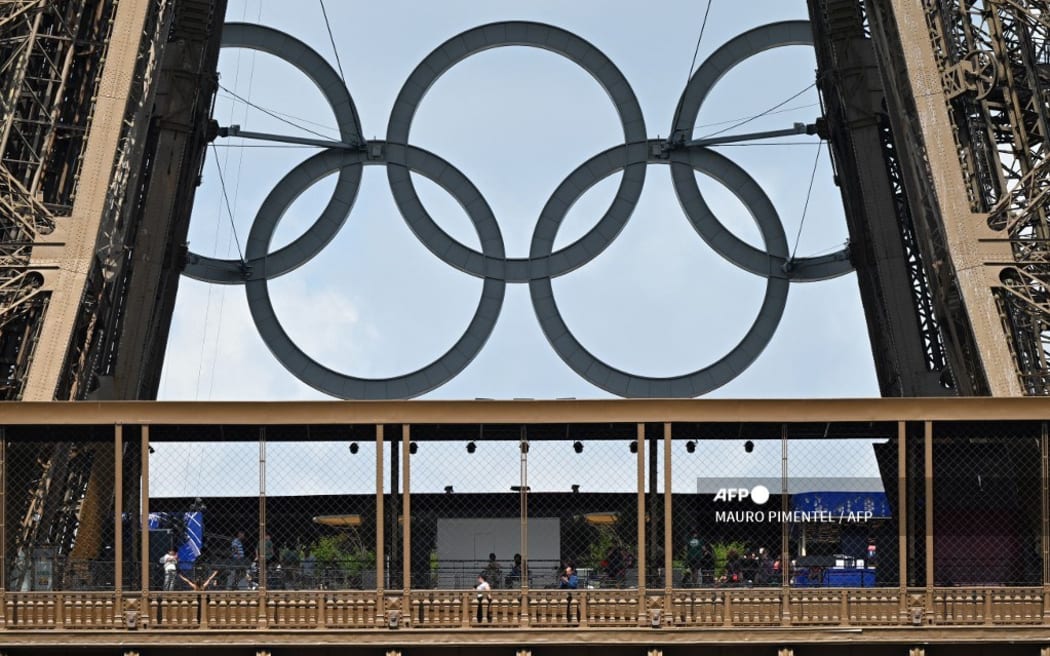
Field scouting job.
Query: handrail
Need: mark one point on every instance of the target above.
(610, 608)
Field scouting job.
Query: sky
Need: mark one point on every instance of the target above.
(516, 120)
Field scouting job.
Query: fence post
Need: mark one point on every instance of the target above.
(406, 529)
(523, 511)
(642, 565)
(928, 473)
(380, 532)
(144, 526)
(1044, 502)
(785, 507)
(668, 537)
(902, 522)
(261, 596)
(3, 528)
(118, 525)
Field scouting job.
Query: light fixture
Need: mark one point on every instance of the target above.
(354, 448)
(690, 446)
(412, 448)
(577, 446)
(634, 446)
(471, 447)
(749, 446)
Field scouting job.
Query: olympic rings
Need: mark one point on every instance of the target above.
(725, 243)
(297, 253)
(491, 264)
(351, 387)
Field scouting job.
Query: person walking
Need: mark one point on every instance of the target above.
(237, 564)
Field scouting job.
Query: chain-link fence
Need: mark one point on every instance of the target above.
(838, 518)
(205, 499)
(726, 488)
(59, 508)
(582, 508)
(508, 507)
(986, 499)
(466, 523)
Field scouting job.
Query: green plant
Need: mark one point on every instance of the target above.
(342, 554)
(597, 550)
(720, 553)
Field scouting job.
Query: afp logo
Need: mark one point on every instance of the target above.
(758, 494)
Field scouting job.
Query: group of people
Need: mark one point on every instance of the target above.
(569, 580)
(238, 573)
(492, 575)
(755, 567)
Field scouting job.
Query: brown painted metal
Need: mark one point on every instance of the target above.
(406, 513)
(260, 552)
(525, 412)
(981, 612)
(785, 507)
(380, 521)
(640, 482)
(3, 520)
(902, 516)
(668, 545)
(118, 511)
(1044, 512)
(928, 503)
(144, 519)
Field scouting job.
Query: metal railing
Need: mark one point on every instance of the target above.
(593, 531)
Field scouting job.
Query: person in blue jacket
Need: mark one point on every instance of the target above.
(569, 580)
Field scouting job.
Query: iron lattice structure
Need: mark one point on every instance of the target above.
(889, 248)
(995, 67)
(94, 94)
(47, 96)
(949, 213)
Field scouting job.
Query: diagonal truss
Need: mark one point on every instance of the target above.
(994, 58)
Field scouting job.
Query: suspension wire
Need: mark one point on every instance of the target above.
(298, 118)
(692, 64)
(236, 196)
(331, 38)
(765, 113)
(696, 51)
(274, 115)
(739, 118)
(229, 209)
(218, 229)
(267, 145)
(754, 145)
(809, 193)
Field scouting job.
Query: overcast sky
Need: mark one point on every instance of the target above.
(516, 121)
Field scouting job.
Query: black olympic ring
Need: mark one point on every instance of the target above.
(543, 263)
